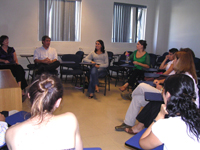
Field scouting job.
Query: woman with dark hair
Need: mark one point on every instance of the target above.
(8, 60)
(48, 131)
(183, 64)
(140, 59)
(99, 58)
(181, 130)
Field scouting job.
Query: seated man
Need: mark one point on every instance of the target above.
(45, 57)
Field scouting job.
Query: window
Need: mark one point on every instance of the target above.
(129, 22)
(60, 19)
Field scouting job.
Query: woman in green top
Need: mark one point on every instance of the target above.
(140, 60)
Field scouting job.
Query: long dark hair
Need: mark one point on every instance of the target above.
(44, 92)
(102, 46)
(2, 38)
(181, 102)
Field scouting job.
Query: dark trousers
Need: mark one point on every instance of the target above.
(134, 75)
(149, 113)
(18, 72)
(51, 68)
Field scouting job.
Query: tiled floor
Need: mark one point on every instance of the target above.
(97, 117)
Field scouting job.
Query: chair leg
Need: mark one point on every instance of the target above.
(83, 83)
(28, 74)
(116, 79)
(105, 86)
(108, 82)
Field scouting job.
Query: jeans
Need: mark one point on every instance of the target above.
(95, 73)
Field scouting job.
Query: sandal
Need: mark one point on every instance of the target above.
(122, 88)
(90, 96)
(129, 130)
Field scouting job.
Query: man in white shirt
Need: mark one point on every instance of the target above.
(46, 57)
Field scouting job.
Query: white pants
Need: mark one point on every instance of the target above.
(138, 101)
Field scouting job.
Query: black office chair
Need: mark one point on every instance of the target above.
(73, 69)
(80, 53)
(107, 76)
(118, 69)
(31, 68)
(153, 58)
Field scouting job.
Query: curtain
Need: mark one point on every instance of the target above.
(59, 19)
(129, 22)
(121, 23)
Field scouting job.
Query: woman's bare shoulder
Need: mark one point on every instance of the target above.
(67, 117)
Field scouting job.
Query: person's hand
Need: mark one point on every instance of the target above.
(135, 63)
(97, 66)
(156, 82)
(6, 62)
(158, 86)
(167, 57)
(127, 53)
(47, 61)
(93, 62)
(2, 118)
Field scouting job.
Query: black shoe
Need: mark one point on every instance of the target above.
(122, 127)
(126, 96)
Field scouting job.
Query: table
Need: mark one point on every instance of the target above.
(60, 55)
(67, 62)
(150, 96)
(127, 66)
(27, 56)
(10, 92)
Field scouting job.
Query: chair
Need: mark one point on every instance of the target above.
(134, 141)
(73, 69)
(31, 67)
(117, 68)
(107, 76)
(80, 53)
(153, 58)
(106, 81)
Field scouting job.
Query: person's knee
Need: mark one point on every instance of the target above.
(93, 71)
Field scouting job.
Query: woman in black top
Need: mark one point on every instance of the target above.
(8, 60)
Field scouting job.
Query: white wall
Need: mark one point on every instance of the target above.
(19, 20)
(185, 25)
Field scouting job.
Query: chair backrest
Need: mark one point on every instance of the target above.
(72, 57)
(153, 58)
(80, 53)
(197, 64)
(110, 56)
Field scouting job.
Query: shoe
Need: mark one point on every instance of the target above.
(126, 96)
(129, 130)
(97, 91)
(90, 97)
(122, 127)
